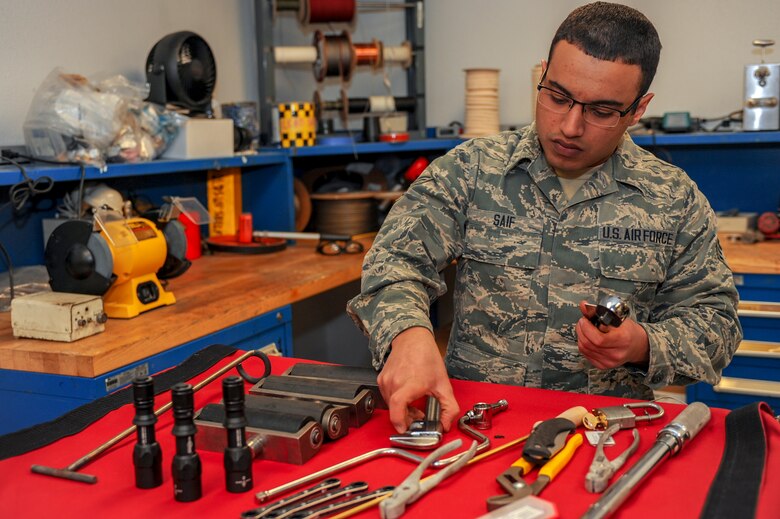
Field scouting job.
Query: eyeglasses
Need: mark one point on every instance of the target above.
(336, 247)
(597, 115)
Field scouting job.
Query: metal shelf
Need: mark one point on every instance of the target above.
(10, 175)
(374, 147)
(706, 138)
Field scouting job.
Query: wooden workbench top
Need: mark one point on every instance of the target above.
(226, 289)
(752, 258)
(216, 292)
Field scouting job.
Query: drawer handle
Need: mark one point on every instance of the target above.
(745, 386)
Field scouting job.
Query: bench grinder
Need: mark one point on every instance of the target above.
(118, 258)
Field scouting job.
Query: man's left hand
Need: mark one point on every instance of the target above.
(608, 347)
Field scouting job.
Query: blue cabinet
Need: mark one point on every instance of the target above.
(737, 171)
(30, 398)
(754, 372)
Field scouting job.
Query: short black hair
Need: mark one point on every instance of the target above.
(613, 32)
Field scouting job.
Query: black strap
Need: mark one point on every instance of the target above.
(735, 490)
(72, 422)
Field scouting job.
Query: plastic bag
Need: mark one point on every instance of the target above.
(73, 119)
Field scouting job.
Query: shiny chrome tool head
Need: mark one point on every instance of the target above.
(423, 434)
(611, 311)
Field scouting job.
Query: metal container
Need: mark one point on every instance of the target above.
(762, 93)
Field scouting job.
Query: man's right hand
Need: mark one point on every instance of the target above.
(413, 370)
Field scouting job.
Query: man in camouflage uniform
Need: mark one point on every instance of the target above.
(541, 220)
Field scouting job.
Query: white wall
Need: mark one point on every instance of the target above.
(114, 36)
(706, 45)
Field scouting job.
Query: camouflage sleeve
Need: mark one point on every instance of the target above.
(422, 234)
(693, 328)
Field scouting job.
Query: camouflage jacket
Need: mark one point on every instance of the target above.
(638, 228)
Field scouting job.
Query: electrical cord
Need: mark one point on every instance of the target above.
(726, 120)
(21, 192)
(10, 272)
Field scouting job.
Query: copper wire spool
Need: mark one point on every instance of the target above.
(369, 54)
(327, 11)
(335, 56)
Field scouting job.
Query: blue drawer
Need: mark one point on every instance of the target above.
(758, 287)
(753, 375)
(760, 320)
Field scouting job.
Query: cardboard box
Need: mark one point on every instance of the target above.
(200, 138)
(224, 201)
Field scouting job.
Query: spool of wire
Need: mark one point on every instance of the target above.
(345, 213)
(481, 102)
(373, 105)
(335, 56)
(327, 11)
(369, 54)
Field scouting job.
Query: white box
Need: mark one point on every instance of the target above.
(200, 138)
(742, 222)
(57, 316)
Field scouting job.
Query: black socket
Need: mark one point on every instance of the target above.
(238, 456)
(186, 467)
(147, 455)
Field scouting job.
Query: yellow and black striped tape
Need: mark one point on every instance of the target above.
(297, 124)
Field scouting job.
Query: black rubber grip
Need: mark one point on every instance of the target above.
(334, 372)
(304, 408)
(547, 439)
(257, 418)
(312, 386)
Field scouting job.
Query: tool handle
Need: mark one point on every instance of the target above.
(574, 414)
(524, 465)
(556, 464)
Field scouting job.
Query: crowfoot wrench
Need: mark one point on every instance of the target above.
(413, 487)
(423, 434)
(602, 469)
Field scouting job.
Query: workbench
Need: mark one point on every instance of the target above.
(677, 488)
(241, 300)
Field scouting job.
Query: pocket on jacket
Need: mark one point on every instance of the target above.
(464, 361)
(497, 267)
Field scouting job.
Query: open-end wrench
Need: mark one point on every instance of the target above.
(333, 469)
(264, 511)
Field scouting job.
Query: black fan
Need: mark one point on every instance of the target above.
(181, 71)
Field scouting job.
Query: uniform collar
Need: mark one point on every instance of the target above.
(528, 152)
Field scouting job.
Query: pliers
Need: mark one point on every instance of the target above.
(413, 487)
(601, 469)
(512, 480)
